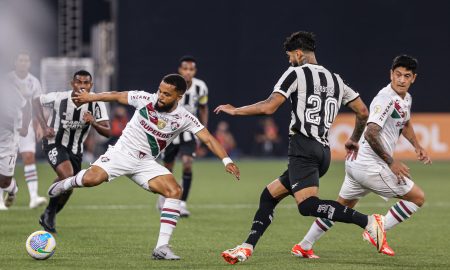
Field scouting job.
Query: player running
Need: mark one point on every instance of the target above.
(195, 101)
(155, 124)
(316, 95)
(15, 118)
(64, 134)
(375, 169)
(29, 87)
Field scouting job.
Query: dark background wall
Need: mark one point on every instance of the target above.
(239, 47)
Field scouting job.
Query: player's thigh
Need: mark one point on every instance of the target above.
(27, 144)
(351, 189)
(7, 165)
(280, 187)
(116, 162)
(165, 185)
(152, 176)
(170, 153)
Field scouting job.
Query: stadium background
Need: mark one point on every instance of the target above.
(238, 45)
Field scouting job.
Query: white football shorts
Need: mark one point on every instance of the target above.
(28, 143)
(360, 180)
(118, 161)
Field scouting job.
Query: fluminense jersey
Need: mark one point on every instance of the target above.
(390, 112)
(316, 95)
(29, 87)
(149, 131)
(196, 95)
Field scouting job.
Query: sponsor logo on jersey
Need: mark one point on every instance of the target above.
(377, 109)
(69, 124)
(386, 111)
(319, 89)
(156, 133)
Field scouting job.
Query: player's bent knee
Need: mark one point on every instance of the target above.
(306, 206)
(173, 192)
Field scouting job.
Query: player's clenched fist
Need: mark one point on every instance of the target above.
(233, 169)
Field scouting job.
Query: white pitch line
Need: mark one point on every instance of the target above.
(217, 206)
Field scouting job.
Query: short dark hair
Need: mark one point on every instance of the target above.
(406, 61)
(305, 41)
(176, 80)
(82, 73)
(188, 58)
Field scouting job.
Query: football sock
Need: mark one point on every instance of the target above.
(1, 195)
(31, 178)
(399, 212)
(63, 198)
(319, 227)
(74, 181)
(332, 210)
(12, 188)
(263, 217)
(187, 179)
(169, 218)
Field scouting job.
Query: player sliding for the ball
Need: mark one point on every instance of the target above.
(156, 122)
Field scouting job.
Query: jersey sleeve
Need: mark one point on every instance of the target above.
(100, 112)
(287, 83)
(192, 123)
(139, 99)
(203, 97)
(380, 109)
(349, 94)
(48, 100)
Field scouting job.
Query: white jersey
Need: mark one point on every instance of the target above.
(149, 131)
(390, 112)
(29, 87)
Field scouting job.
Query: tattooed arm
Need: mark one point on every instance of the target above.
(268, 106)
(360, 109)
(372, 135)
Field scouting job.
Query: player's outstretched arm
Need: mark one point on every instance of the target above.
(214, 146)
(86, 97)
(410, 135)
(268, 106)
(361, 116)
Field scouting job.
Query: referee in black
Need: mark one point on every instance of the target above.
(316, 95)
(65, 131)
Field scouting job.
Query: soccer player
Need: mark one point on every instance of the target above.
(30, 88)
(155, 124)
(195, 101)
(64, 134)
(375, 169)
(316, 95)
(15, 118)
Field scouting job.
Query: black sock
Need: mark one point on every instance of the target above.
(53, 205)
(331, 210)
(187, 179)
(63, 198)
(263, 217)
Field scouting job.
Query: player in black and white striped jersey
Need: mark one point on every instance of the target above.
(195, 100)
(316, 95)
(65, 131)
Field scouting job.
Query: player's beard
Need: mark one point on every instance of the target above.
(165, 108)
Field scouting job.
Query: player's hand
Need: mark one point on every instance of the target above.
(422, 155)
(400, 170)
(23, 131)
(88, 118)
(234, 170)
(48, 133)
(352, 148)
(39, 133)
(82, 97)
(228, 109)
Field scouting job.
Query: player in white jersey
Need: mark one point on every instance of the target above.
(156, 122)
(195, 101)
(30, 88)
(15, 117)
(374, 169)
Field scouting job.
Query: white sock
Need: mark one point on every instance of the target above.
(399, 212)
(74, 181)
(1, 195)
(319, 227)
(12, 187)
(31, 178)
(169, 218)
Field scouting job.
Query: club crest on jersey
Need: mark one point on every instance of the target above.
(174, 126)
(398, 111)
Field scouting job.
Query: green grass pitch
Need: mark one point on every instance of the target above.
(115, 226)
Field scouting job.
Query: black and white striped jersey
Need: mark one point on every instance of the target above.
(196, 95)
(316, 95)
(67, 119)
